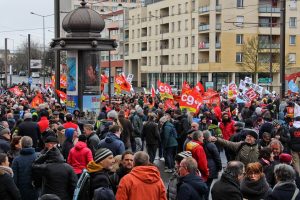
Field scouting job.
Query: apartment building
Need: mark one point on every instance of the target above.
(193, 40)
(113, 12)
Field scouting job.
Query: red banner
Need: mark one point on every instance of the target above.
(165, 90)
(200, 88)
(16, 91)
(123, 83)
(104, 78)
(185, 86)
(61, 95)
(37, 100)
(169, 103)
(190, 100)
(152, 92)
(211, 96)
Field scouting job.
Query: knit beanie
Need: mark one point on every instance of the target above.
(101, 154)
(285, 158)
(251, 132)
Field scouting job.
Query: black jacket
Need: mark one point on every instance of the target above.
(31, 129)
(283, 191)
(295, 139)
(8, 189)
(150, 133)
(214, 162)
(127, 133)
(58, 176)
(226, 188)
(191, 187)
(255, 190)
(4, 145)
(22, 173)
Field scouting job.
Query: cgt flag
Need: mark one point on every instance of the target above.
(191, 100)
(123, 83)
(37, 100)
(16, 91)
(165, 90)
(61, 95)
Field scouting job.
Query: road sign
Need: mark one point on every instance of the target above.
(30, 80)
(265, 80)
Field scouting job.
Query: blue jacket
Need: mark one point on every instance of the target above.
(168, 139)
(191, 187)
(113, 143)
(22, 173)
(4, 145)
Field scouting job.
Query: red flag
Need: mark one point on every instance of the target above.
(16, 91)
(169, 103)
(37, 100)
(61, 95)
(200, 88)
(191, 100)
(152, 92)
(104, 78)
(185, 86)
(123, 83)
(165, 90)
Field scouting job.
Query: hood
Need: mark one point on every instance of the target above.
(69, 134)
(190, 146)
(296, 124)
(147, 174)
(80, 145)
(27, 151)
(93, 167)
(110, 138)
(196, 182)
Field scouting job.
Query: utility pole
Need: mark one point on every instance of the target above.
(271, 41)
(109, 72)
(57, 52)
(5, 64)
(282, 47)
(28, 61)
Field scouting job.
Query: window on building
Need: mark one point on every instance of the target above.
(156, 45)
(179, 59)
(138, 47)
(292, 58)
(150, 30)
(172, 27)
(156, 60)
(186, 41)
(293, 22)
(138, 33)
(193, 6)
(193, 23)
(240, 3)
(149, 61)
(179, 25)
(172, 10)
(292, 39)
(239, 21)
(239, 39)
(132, 48)
(179, 9)
(132, 34)
(186, 7)
(186, 59)
(178, 43)
(138, 18)
(172, 59)
(186, 24)
(132, 19)
(193, 58)
(239, 57)
(193, 41)
(150, 16)
(293, 4)
(149, 44)
(156, 29)
(172, 43)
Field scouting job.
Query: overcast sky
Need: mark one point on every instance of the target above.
(16, 22)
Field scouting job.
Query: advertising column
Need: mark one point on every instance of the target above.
(72, 81)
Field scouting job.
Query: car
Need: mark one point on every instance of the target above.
(22, 73)
(35, 75)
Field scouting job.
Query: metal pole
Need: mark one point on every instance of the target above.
(28, 62)
(109, 72)
(161, 52)
(271, 41)
(5, 65)
(43, 51)
(282, 47)
(57, 52)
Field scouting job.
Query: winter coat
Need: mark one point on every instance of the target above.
(283, 190)
(127, 133)
(12, 154)
(213, 159)
(227, 129)
(93, 142)
(58, 177)
(22, 167)
(137, 124)
(198, 153)
(226, 188)
(79, 156)
(4, 144)
(191, 187)
(142, 182)
(295, 137)
(255, 190)
(31, 129)
(182, 126)
(43, 124)
(215, 130)
(246, 153)
(284, 134)
(68, 143)
(113, 143)
(266, 127)
(168, 139)
(268, 170)
(150, 133)
(172, 187)
(8, 189)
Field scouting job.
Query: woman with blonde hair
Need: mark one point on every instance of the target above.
(254, 185)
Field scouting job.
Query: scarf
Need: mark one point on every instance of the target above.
(93, 167)
(6, 170)
(253, 190)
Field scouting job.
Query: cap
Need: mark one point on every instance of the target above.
(101, 154)
(275, 123)
(251, 132)
(52, 139)
(185, 154)
(285, 158)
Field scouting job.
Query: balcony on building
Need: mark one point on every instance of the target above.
(203, 60)
(218, 45)
(144, 32)
(269, 46)
(218, 26)
(164, 44)
(164, 12)
(268, 9)
(164, 28)
(203, 45)
(218, 9)
(203, 10)
(203, 27)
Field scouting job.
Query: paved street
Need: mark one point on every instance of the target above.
(19, 79)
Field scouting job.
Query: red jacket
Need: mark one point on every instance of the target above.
(70, 125)
(227, 129)
(198, 153)
(43, 124)
(218, 113)
(80, 155)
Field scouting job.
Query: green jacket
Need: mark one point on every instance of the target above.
(169, 139)
(215, 130)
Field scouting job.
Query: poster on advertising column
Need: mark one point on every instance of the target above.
(91, 106)
(72, 103)
(72, 73)
(91, 70)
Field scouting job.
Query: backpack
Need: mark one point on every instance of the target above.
(103, 128)
(82, 190)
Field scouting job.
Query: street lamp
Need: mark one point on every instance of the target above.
(43, 16)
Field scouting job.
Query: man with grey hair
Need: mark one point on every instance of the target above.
(143, 181)
(22, 169)
(228, 187)
(93, 140)
(31, 129)
(190, 186)
(285, 188)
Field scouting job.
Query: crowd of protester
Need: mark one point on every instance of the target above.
(225, 151)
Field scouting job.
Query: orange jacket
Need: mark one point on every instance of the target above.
(143, 182)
